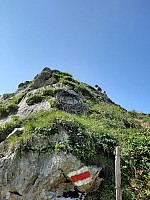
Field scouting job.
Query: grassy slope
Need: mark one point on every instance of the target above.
(92, 138)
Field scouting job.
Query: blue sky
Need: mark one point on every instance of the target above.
(104, 42)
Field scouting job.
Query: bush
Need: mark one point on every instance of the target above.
(48, 92)
(68, 83)
(3, 111)
(84, 91)
(66, 74)
(53, 102)
(24, 85)
(8, 128)
(70, 79)
(8, 95)
(34, 99)
(8, 110)
(12, 108)
(56, 76)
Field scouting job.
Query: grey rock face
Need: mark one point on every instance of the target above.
(70, 101)
(40, 176)
(46, 77)
(36, 176)
(24, 109)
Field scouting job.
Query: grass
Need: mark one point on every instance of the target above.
(89, 135)
(92, 137)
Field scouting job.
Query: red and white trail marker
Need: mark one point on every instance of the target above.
(81, 176)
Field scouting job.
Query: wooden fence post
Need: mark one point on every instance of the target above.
(118, 174)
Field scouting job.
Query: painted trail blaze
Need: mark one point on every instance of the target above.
(80, 177)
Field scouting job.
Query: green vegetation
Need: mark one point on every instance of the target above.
(8, 110)
(8, 128)
(36, 98)
(8, 95)
(135, 162)
(12, 105)
(81, 89)
(66, 74)
(91, 137)
(93, 141)
(24, 85)
(71, 84)
(48, 92)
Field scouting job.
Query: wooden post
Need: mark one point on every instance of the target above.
(118, 174)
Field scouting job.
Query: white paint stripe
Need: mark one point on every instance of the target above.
(83, 182)
(82, 170)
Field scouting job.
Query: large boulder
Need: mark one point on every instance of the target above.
(70, 101)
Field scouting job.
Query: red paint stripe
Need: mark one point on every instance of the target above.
(80, 177)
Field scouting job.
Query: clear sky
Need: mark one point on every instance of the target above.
(104, 42)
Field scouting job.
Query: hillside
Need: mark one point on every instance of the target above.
(55, 125)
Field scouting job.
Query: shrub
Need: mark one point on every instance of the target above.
(56, 71)
(14, 118)
(70, 79)
(53, 102)
(48, 92)
(61, 75)
(46, 69)
(8, 128)
(24, 85)
(68, 83)
(3, 111)
(8, 95)
(34, 99)
(12, 108)
(8, 110)
(81, 89)
(66, 74)
(56, 78)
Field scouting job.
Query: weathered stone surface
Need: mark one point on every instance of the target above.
(28, 176)
(35, 175)
(25, 110)
(70, 101)
(46, 77)
(5, 120)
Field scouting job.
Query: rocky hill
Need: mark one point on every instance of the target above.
(57, 141)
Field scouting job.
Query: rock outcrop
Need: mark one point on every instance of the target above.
(37, 164)
(37, 175)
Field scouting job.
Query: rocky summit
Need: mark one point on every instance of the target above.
(57, 141)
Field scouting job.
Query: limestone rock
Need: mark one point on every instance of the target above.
(37, 175)
(46, 77)
(25, 110)
(28, 176)
(70, 101)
